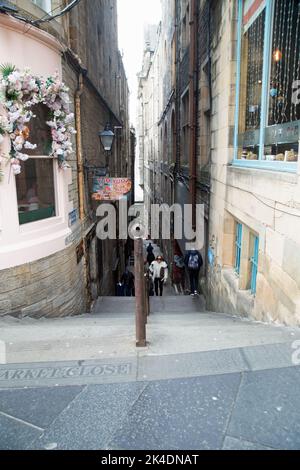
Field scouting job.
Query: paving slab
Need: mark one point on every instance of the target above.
(267, 409)
(92, 418)
(16, 435)
(269, 356)
(231, 443)
(191, 365)
(179, 414)
(38, 407)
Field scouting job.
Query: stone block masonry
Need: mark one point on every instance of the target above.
(56, 284)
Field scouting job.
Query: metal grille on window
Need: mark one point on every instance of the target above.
(255, 41)
(285, 67)
(250, 94)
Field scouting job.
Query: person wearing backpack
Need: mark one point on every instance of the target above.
(193, 261)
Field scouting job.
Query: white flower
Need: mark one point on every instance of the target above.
(1, 139)
(30, 146)
(14, 116)
(19, 140)
(16, 168)
(22, 156)
(51, 124)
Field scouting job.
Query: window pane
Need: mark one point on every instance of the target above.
(284, 107)
(44, 4)
(285, 66)
(251, 85)
(35, 190)
(39, 131)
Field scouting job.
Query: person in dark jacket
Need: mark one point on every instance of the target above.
(127, 280)
(193, 261)
(150, 255)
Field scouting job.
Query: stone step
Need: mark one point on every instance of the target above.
(177, 304)
(118, 305)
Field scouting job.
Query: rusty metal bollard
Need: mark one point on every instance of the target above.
(147, 299)
(139, 294)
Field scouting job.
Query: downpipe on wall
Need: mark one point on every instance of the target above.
(80, 178)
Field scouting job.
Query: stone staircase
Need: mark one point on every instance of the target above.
(177, 324)
(116, 307)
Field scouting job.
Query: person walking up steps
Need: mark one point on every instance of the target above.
(150, 256)
(159, 273)
(193, 261)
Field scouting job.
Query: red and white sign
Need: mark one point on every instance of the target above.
(110, 189)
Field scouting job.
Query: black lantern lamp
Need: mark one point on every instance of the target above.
(107, 138)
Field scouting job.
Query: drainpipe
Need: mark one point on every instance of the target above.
(193, 107)
(80, 167)
(80, 180)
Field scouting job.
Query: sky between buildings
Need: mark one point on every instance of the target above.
(132, 16)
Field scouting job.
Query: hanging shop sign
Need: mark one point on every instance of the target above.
(110, 189)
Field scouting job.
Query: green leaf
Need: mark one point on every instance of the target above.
(6, 70)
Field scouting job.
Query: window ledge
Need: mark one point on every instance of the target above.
(287, 167)
(28, 251)
(242, 296)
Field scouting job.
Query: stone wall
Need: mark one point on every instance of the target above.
(266, 203)
(50, 287)
(67, 282)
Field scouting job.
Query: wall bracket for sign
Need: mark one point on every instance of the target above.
(98, 171)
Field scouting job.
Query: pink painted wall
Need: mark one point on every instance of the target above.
(30, 48)
(27, 47)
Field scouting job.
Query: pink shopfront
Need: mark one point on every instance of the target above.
(34, 203)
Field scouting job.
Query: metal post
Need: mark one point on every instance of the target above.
(147, 295)
(145, 299)
(139, 294)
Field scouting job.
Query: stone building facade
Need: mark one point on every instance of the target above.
(58, 266)
(246, 167)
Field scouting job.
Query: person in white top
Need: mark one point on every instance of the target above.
(159, 273)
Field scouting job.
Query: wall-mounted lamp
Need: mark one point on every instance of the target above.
(106, 138)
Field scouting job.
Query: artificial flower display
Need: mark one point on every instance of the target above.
(20, 91)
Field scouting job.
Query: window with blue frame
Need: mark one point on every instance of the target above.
(254, 264)
(267, 119)
(238, 247)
